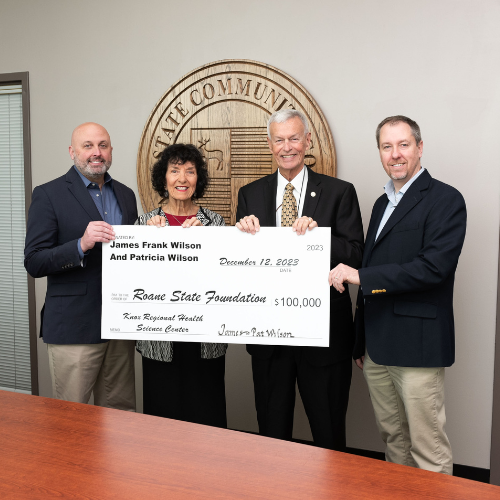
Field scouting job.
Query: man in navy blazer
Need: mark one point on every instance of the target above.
(323, 374)
(404, 322)
(68, 220)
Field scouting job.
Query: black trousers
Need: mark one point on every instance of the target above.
(188, 388)
(324, 391)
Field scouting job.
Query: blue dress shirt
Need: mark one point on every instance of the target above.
(105, 201)
(394, 199)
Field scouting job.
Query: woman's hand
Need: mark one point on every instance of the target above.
(191, 222)
(157, 220)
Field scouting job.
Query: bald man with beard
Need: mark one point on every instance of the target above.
(69, 219)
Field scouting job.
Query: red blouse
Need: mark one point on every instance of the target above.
(177, 220)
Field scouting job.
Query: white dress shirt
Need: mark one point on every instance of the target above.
(299, 183)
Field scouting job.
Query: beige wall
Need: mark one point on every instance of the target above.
(436, 61)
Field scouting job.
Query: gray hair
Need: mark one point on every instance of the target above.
(394, 120)
(283, 115)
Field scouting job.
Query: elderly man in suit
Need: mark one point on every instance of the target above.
(68, 220)
(404, 322)
(297, 196)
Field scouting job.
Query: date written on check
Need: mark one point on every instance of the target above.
(217, 284)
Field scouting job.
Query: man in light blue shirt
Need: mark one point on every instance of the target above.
(405, 333)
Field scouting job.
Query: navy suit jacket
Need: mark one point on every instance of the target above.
(58, 216)
(335, 205)
(404, 311)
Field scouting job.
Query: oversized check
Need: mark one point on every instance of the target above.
(217, 284)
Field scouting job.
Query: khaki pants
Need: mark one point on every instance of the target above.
(107, 369)
(409, 410)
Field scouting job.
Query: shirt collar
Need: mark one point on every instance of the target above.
(297, 181)
(390, 191)
(107, 178)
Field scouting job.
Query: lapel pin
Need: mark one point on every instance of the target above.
(313, 194)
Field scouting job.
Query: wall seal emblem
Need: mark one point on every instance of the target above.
(223, 108)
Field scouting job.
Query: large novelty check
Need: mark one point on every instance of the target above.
(217, 284)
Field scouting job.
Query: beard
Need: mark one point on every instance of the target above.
(399, 177)
(92, 173)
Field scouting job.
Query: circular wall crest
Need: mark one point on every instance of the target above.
(223, 108)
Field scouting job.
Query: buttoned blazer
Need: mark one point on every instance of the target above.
(405, 305)
(334, 205)
(58, 216)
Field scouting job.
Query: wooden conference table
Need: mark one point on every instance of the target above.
(56, 449)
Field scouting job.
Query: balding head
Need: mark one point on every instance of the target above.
(86, 129)
(91, 151)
